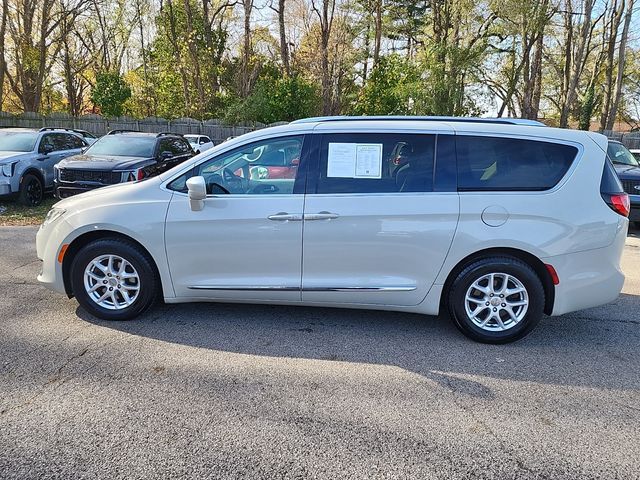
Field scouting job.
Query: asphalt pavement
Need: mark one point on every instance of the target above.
(242, 391)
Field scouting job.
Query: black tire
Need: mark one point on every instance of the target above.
(504, 265)
(148, 283)
(31, 190)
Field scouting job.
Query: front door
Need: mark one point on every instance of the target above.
(246, 244)
(375, 232)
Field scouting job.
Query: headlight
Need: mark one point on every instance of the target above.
(7, 169)
(53, 215)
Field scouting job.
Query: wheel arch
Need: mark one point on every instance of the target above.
(88, 237)
(534, 262)
(32, 171)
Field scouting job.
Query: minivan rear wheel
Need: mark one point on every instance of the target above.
(114, 279)
(496, 300)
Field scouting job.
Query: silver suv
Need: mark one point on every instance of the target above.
(27, 157)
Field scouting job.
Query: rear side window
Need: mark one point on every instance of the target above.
(376, 163)
(500, 163)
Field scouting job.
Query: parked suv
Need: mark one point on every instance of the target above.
(120, 156)
(199, 143)
(495, 221)
(628, 169)
(27, 158)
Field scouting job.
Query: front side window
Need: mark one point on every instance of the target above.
(72, 142)
(51, 142)
(264, 167)
(376, 163)
(123, 145)
(510, 164)
(620, 155)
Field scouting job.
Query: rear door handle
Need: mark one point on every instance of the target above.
(284, 217)
(321, 216)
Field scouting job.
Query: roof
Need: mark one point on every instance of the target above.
(413, 118)
(143, 134)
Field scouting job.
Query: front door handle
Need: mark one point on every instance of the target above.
(321, 216)
(284, 217)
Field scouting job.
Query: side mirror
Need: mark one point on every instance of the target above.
(295, 162)
(47, 148)
(197, 190)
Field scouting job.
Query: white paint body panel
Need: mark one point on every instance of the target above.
(231, 242)
(412, 240)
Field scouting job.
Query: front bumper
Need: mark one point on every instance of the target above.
(49, 241)
(5, 186)
(64, 190)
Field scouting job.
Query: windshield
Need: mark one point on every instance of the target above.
(192, 140)
(18, 141)
(123, 146)
(619, 155)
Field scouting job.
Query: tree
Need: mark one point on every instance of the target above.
(394, 88)
(110, 93)
(277, 99)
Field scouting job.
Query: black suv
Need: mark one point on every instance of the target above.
(120, 156)
(628, 170)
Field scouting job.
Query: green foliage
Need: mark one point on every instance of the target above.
(587, 108)
(110, 93)
(394, 88)
(277, 99)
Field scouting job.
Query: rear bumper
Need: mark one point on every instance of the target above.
(590, 278)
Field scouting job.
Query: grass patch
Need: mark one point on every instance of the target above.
(12, 213)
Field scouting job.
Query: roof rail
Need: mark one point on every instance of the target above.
(345, 118)
(162, 134)
(76, 130)
(115, 132)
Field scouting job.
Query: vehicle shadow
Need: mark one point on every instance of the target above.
(595, 348)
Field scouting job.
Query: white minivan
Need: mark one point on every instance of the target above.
(495, 220)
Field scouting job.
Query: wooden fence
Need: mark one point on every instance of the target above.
(215, 129)
(99, 125)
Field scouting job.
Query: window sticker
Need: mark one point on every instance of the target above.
(369, 160)
(354, 160)
(341, 160)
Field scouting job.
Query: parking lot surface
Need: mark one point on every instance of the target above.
(241, 391)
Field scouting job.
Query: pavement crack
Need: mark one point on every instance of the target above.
(519, 462)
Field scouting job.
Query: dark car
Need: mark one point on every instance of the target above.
(120, 156)
(628, 170)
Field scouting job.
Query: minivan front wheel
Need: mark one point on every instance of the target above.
(496, 300)
(114, 279)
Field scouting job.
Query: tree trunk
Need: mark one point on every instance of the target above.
(3, 65)
(575, 59)
(622, 49)
(246, 50)
(378, 32)
(616, 18)
(284, 47)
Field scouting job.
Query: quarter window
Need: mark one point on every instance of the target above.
(500, 163)
(376, 163)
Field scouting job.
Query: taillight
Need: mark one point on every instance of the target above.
(140, 174)
(619, 202)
